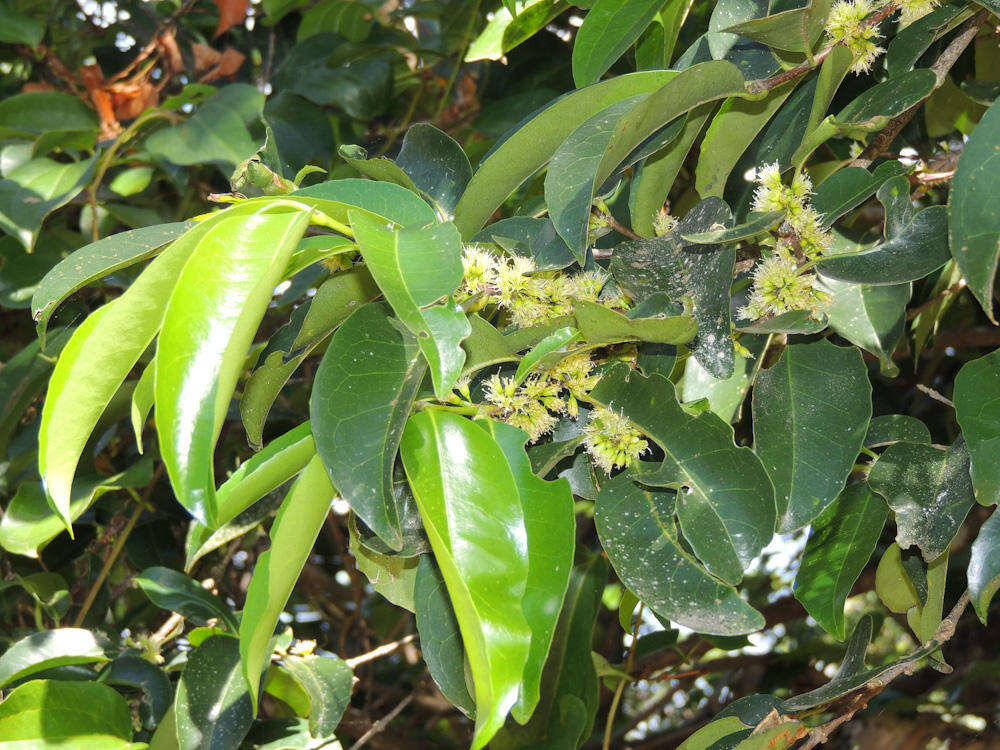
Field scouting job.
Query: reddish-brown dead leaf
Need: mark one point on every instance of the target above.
(231, 12)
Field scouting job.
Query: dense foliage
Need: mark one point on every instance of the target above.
(621, 373)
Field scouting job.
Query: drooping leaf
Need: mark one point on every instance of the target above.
(725, 397)
(175, 592)
(52, 713)
(702, 273)
(468, 498)
(210, 321)
(795, 30)
(436, 164)
(810, 415)
(415, 268)
(609, 28)
(893, 584)
(727, 512)
(212, 708)
(32, 190)
(793, 321)
(984, 566)
(841, 541)
(361, 397)
(328, 683)
(637, 530)
(977, 407)
(871, 317)
(392, 576)
(930, 491)
(47, 649)
(292, 535)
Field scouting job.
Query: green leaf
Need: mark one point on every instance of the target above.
(871, 317)
(978, 411)
(48, 649)
(361, 397)
(527, 149)
(173, 591)
(16, 28)
(600, 325)
(849, 188)
(131, 670)
(337, 198)
(727, 513)
(95, 261)
(440, 639)
(984, 566)
(554, 343)
(831, 74)
(504, 32)
(639, 534)
(840, 543)
(725, 397)
(392, 576)
(216, 133)
(415, 268)
(570, 691)
(551, 529)
(896, 428)
(810, 415)
(29, 115)
(212, 708)
(142, 401)
(29, 523)
(608, 30)
(31, 191)
(292, 535)
(570, 182)
(794, 321)
(893, 584)
(795, 30)
(755, 225)
(715, 732)
(328, 682)
(210, 321)
(531, 238)
(911, 42)
(469, 501)
(377, 168)
(351, 20)
(925, 619)
(682, 270)
(930, 491)
(81, 715)
(437, 165)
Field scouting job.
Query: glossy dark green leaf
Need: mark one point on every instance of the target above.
(853, 673)
(896, 428)
(977, 407)
(211, 318)
(871, 317)
(532, 238)
(377, 167)
(570, 693)
(850, 187)
(551, 528)
(682, 270)
(440, 638)
(217, 131)
(469, 500)
(794, 321)
(415, 268)
(292, 536)
(95, 261)
(911, 42)
(437, 165)
(600, 325)
(795, 30)
(873, 108)
(810, 415)
(639, 534)
(173, 591)
(16, 28)
(29, 192)
(930, 491)
(727, 512)
(755, 225)
(609, 28)
(361, 397)
(51, 713)
(984, 566)
(351, 20)
(328, 682)
(920, 248)
(212, 708)
(131, 670)
(841, 541)
(47, 649)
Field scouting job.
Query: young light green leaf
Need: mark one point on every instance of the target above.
(727, 512)
(142, 401)
(95, 261)
(175, 592)
(328, 682)
(609, 28)
(554, 342)
(978, 411)
(504, 32)
(212, 708)
(930, 491)
(361, 397)
(210, 321)
(984, 566)
(29, 192)
(893, 584)
(638, 531)
(469, 500)
(292, 534)
(810, 415)
(47, 649)
(415, 269)
(841, 541)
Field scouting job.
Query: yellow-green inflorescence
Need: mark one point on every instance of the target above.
(781, 283)
(611, 439)
(845, 24)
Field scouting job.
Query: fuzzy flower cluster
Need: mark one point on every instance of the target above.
(911, 10)
(528, 296)
(845, 24)
(611, 439)
(779, 287)
(801, 219)
(534, 405)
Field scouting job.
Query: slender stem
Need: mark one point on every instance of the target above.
(620, 689)
(379, 652)
(470, 27)
(407, 118)
(108, 562)
(382, 723)
(321, 219)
